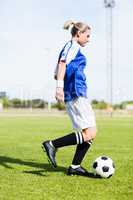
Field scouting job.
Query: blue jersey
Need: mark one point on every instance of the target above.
(74, 80)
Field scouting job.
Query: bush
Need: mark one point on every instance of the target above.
(6, 102)
(15, 103)
(39, 103)
(59, 106)
(99, 104)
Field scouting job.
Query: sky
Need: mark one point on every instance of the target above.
(31, 37)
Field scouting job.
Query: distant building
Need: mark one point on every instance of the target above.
(2, 94)
(129, 107)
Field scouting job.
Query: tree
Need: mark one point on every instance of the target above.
(16, 103)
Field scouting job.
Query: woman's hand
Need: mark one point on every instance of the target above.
(59, 95)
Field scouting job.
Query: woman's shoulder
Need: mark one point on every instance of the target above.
(71, 46)
(70, 51)
(67, 45)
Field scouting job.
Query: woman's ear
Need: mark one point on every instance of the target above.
(78, 34)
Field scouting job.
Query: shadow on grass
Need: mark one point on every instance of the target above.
(5, 161)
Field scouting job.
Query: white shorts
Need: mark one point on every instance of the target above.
(81, 113)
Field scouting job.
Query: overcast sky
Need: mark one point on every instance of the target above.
(31, 37)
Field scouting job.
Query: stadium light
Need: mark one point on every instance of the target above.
(109, 5)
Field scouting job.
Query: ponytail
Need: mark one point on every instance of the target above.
(75, 26)
(68, 24)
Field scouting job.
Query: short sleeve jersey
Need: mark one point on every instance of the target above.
(74, 80)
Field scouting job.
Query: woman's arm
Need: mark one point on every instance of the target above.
(61, 70)
(60, 81)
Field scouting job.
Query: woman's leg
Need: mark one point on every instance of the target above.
(88, 136)
(51, 146)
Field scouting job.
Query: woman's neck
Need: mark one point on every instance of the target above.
(75, 39)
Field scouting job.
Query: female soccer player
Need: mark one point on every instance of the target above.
(72, 89)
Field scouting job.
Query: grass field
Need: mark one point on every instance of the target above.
(25, 173)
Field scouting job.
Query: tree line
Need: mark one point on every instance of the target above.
(40, 103)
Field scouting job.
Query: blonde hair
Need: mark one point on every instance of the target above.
(76, 26)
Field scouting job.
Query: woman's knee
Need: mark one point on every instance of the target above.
(94, 134)
(89, 134)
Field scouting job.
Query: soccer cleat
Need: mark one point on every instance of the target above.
(50, 151)
(78, 171)
(82, 172)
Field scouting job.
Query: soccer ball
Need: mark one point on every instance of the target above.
(104, 166)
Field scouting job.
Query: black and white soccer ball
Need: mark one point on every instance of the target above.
(104, 166)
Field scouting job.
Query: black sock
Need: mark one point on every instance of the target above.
(80, 152)
(71, 139)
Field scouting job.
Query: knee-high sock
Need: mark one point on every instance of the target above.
(71, 139)
(80, 152)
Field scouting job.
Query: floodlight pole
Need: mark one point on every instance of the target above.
(109, 5)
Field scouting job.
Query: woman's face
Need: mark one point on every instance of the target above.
(83, 37)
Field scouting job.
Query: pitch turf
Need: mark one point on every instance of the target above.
(25, 173)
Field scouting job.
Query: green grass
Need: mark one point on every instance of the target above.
(25, 173)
